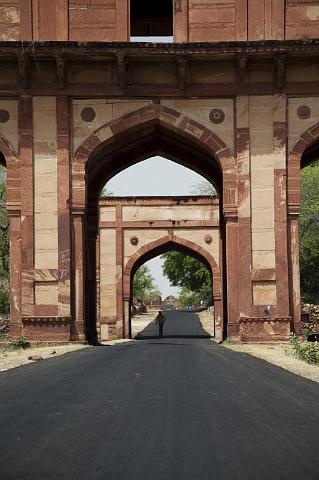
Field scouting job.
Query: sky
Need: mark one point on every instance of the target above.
(152, 177)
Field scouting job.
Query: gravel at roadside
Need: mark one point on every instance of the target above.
(15, 358)
(280, 355)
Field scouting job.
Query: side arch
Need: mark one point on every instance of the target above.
(304, 151)
(170, 242)
(11, 162)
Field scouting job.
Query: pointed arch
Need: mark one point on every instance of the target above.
(306, 146)
(170, 242)
(153, 115)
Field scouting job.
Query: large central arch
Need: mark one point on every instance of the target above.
(119, 144)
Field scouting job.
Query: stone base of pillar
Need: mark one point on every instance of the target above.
(77, 333)
(52, 329)
(233, 334)
(264, 329)
(15, 330)
(296, 328)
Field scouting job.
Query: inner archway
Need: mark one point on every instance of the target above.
(190, 250)
(97, 161)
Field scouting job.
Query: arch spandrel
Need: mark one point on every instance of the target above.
(183, 127)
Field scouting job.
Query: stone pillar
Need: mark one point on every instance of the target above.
(126, 318)
(25, 120)
(294, 273)
(78, 327)
(63, 195)
(244, 206)
(98, 290)
(15, 274)
(232, 278)
(218, 318)
(120, 320)
(280, 213)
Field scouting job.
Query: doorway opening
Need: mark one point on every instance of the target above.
(189, 312)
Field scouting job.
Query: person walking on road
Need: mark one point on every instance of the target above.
(160, 320)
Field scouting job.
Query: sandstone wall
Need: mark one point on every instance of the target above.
(194, 20)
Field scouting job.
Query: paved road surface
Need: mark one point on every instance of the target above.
(178, 324)
(169, 409)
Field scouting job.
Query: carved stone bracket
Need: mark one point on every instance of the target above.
(182, 64)
(61, 71)
(280, 71)
(24, 70)
(242, 68)
(122, 69)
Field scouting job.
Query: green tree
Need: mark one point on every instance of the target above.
(309, 233)
(144, 286)
(203, 188)
(191, 275)
(105, 192)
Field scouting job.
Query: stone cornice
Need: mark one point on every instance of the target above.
(31, 48)
(26, 59)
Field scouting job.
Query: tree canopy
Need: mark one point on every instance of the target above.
(203, 188)
(309, 233)
(144, 286)
(191, 275)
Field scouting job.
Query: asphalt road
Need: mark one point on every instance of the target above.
(166, 409)
(177, 324)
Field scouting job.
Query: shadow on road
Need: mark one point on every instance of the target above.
(179, 324)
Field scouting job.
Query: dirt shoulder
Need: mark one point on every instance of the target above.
(15, 358)
(280, 355)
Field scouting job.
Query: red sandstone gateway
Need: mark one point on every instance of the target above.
(231, 92)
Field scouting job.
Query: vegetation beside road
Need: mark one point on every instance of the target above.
(307, 351)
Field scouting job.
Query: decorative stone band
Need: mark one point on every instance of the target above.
(42, 328)
(264, 329)
(263, 319)
(39, 319)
